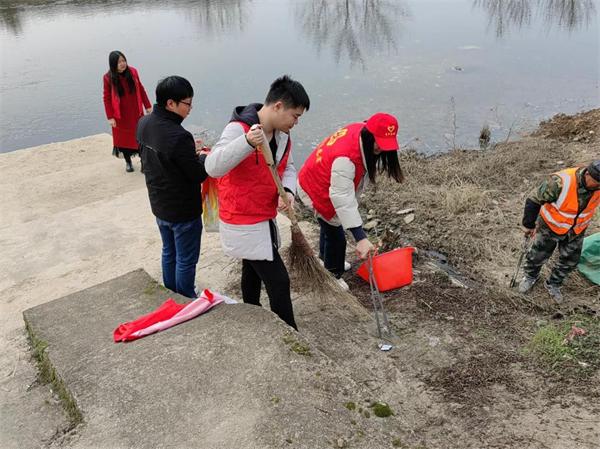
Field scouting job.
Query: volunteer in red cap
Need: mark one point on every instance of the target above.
(334, 175)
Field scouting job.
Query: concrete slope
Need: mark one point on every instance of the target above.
(70, 218)
(235, 377)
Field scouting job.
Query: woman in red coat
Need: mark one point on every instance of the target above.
(124, 102)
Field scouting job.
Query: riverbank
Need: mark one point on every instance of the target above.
(468, 204)
(462, 211)
(472, 366)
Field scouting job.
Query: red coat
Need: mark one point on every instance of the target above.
(126, 110)
(315, 175)
(248, 194)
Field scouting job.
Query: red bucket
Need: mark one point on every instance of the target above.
(391, 270)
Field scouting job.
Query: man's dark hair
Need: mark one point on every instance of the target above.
(174, 88)
(289, 92)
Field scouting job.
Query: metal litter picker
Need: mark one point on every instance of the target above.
(525, 245)
(384, 333)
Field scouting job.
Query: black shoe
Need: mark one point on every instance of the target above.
(128, 167)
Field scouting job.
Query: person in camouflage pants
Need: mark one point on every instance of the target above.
(554, 217)
(544, 244)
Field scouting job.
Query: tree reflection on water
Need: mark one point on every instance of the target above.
(212, 16)
(222, 16)
(565, 14)
(352, 27)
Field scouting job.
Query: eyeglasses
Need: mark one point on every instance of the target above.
(186, 103)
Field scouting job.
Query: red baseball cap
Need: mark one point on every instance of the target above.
(385, 129)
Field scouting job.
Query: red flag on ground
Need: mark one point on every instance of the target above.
(167, 315)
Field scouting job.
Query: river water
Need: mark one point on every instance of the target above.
(444, 68)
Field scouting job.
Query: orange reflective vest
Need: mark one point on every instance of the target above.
(562, 215)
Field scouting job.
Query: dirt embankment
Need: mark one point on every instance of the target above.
(473, 367)
(583, 127)
(508, 352)
(468, 204)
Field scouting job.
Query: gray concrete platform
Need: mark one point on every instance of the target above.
(235, 377)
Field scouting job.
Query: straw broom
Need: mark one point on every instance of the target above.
(305, 266)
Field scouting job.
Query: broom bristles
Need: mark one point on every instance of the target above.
(299, 242)
(310, 275)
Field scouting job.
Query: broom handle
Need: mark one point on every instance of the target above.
(266, 152)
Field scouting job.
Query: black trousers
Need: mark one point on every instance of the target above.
(332, 247)
(275, 276)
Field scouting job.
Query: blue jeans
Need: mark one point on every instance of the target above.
(180, 254)
(332, 247)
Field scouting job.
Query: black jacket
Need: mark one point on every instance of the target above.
(173, 170)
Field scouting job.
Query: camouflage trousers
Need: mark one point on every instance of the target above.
(544, 244)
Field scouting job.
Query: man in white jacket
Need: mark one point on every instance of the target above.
(248, 198)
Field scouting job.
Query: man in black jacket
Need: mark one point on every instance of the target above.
(173, 174)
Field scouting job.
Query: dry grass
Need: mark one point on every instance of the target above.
(469, 204)
(461, 197)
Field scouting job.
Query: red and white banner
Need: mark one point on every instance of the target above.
(168, 315)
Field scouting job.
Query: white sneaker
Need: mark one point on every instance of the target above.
(347, 265)
(343, 284)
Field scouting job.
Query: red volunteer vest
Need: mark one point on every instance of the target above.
(247, 194)
(561, 215)
(315, 175)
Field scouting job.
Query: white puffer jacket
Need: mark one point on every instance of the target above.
(253, 241)
(342, 194)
